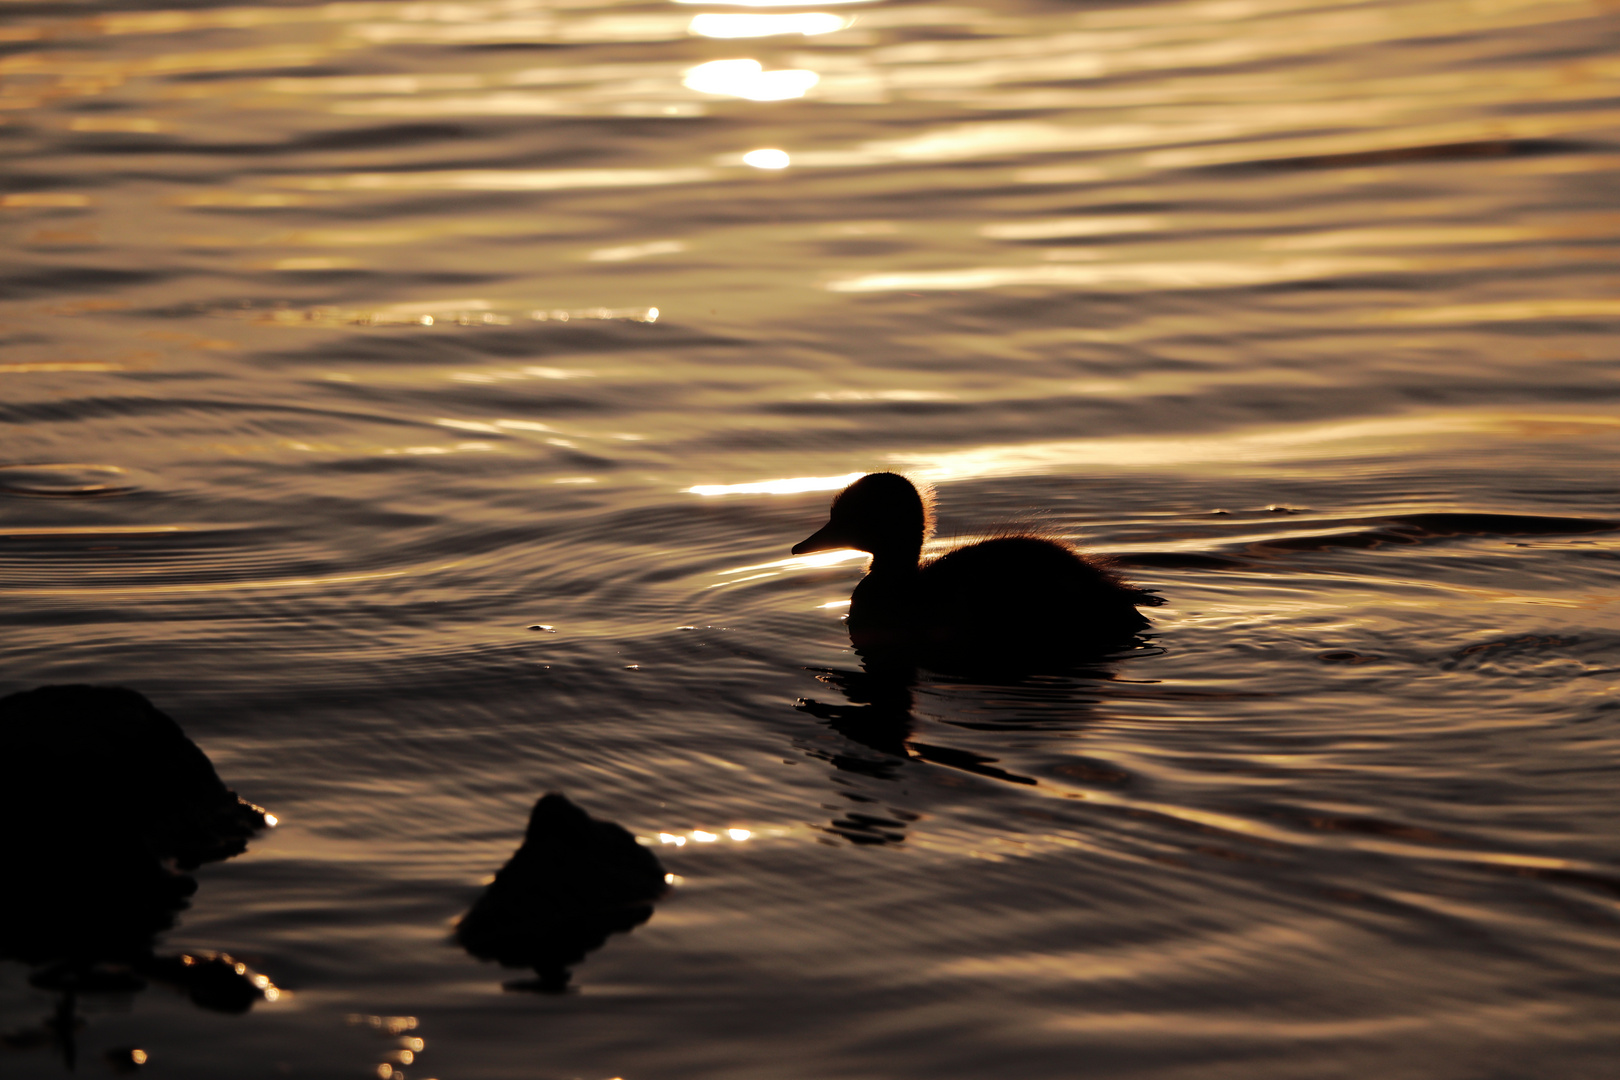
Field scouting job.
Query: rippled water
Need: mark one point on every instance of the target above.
(346, 344)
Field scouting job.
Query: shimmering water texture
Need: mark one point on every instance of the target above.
(418, 402)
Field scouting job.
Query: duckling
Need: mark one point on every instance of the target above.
(1007, 598)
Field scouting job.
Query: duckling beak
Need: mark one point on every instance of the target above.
(826, 538)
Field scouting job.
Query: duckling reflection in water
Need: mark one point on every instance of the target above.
(1010, 599)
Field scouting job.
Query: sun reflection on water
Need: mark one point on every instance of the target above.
(699, 836)
(767, 159)
(770, 3)
(749, 79)
(786, 486)
(1276, 446)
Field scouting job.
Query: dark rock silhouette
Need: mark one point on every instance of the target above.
(89, 761)
(103, 800)
(573, 882)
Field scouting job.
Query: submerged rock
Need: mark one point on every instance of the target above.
(102, 797)
(573, 882)
(79, 762)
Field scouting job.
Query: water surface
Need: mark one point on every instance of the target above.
(345, 344)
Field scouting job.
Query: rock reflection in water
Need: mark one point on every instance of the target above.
(573, 882)
(103, 800)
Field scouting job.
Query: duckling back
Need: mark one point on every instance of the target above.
(1026, 593)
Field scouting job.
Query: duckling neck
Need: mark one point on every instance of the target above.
(895, 563)
(883, 607)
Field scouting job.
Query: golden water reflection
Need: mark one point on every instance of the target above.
(1143, 258)
(810, 24)
(772, 3)
(1068, 228)
(1145, 275)
(749, 79)
(785, 486)
(497, 179)
(1276, 447)
(1273, 446)
(767, 159)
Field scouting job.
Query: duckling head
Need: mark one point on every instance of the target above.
(881, 514)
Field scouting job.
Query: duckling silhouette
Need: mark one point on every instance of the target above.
(1017, 598)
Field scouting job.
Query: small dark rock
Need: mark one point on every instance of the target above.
(573, 882)
(215, 981)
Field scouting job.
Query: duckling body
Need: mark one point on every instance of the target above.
(1004, 598)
